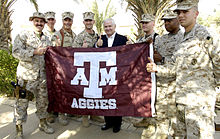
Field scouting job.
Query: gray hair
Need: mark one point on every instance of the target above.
(109, 19)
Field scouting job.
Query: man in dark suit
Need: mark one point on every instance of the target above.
(111, 39)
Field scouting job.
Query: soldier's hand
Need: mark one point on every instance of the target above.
(58, 41)
(99, 42)
(85, 45)
(151, 67)
(40, 51)
(157, 57)
(129, 41)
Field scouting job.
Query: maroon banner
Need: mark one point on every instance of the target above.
(99, 81)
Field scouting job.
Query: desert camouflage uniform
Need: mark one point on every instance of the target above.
(150, 121)
(30, 73)
(197, 65)
(165, 102)
(49, 33)
(146, 38)
(68, 38)
(90, 39)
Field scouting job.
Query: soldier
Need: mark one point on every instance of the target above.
(65, 36)
(148, 23)
(50, 29)
(165, 101)
(29, 48)
(87, 39)
(196, 67)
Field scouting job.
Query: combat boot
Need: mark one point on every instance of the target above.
(51, 118)
(62, 119)
(148, 132)
(43, 126)
(19, 132)
(142, 123)
(97, 119)
(85, 121)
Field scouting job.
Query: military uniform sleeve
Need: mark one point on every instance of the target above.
(20, 50)
(214, 51)
(166, 70)
(78, 42)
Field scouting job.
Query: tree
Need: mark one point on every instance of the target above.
(101, 16)
(5, 22)
(155, 7)
(8, 63)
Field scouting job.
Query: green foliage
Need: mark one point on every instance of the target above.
(5, 23)
(8, 66)
(154, 7)
(100, 16)
(213, 19)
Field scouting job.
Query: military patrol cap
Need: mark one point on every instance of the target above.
(67, 15)
(88, 15)
(50, 14)
(168, 14)
(147, 18)
(38, 15)
(186, 4)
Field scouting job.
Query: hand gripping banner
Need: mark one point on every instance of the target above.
(101, 81)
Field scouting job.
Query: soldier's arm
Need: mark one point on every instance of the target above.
(214, 51)
(166, 70)
(78, 42)
(20, 50)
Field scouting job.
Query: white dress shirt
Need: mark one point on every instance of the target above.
(110, 39)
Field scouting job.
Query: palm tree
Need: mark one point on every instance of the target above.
(101, 16)
(155, 7)
(5, 22)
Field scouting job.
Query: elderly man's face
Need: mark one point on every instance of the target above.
(39, 24)
(109, 28)
(67, 23)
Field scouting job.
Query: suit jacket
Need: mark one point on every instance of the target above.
(118, 40)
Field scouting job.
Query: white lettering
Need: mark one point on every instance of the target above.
(108, 78)
(74, 104)
(90, 103)
(112, 103)
(80, 76)
(93, 91)
(82, 103)
(94, 103)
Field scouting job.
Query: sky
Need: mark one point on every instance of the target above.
(23, 9)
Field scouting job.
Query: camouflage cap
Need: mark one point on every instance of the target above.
(147, 18)
(50, 14)
(38, 15)
(67, 15)
(186, 4)
(168, 14)
(88, 15)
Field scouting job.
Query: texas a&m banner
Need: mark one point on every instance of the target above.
(100, 81)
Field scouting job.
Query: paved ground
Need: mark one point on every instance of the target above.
(72, 131)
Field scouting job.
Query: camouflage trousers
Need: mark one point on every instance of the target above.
(38, 88)
(164, 123)
(217, 105)
(195, 122)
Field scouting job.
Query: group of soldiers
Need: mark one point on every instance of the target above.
(187, 69)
